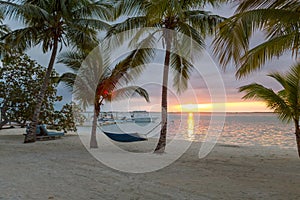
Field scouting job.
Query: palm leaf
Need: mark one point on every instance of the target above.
(127, 92)
(250, 4)
(286, 101)
(23, 38)
(182, 71)
(203, 21)
(129, 8)
(193, 40)
(72, 59)
(128, 28)
(255, 58)
(272, 100)
(279, 20)
(68, 79)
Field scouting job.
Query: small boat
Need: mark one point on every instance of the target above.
(141, 117)
(111, 118)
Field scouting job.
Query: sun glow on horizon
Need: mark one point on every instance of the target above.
(255, 106)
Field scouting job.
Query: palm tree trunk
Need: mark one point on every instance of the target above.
(160, 148)
(31, 136)
(298, 142)
(3, 117)
(93, 141)
(297, 133)
(97, 104)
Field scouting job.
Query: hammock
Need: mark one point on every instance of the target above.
(127, 137)
(124, 137)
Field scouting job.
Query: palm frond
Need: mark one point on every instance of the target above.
(128, 92)
(182, 70)
(129, 8)
(272, 100)
(193, 38)
(277, 19)
(286, 101)
(4, 29)
(255, 58)
(84, 91)
(68, 79)
(103, 9)
(156, 10)
(23, 38)
(93, 23)
(80, 36)
(195, 3)
(23, 12)
(233, 36)
(72, 59)
(293, 89)
(279, 78)
(128, 28)
(128, 69)
(284, 4)
(72, 22)
(203, 21)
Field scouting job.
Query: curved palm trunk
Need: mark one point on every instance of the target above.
(160, 148)
(31, 136)
(93, 141)
(97, 104)
(297, 133)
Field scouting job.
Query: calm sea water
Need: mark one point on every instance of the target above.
(248, 129)
(263, 129)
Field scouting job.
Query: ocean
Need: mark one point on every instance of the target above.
(243, 129)
(246, 129)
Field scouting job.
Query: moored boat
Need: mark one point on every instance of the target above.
(141, 117)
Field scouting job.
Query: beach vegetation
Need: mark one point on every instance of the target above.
(4, 29)
(286, 102)
(277, 20)
(21, 79)
(67, 118)
(52, 25)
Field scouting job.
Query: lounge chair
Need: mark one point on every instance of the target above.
(42, 133)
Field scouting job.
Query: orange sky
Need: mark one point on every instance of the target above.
(230, 107)
(242, 106)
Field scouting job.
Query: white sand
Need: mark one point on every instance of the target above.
(63, 169)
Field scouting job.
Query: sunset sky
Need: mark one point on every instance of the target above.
(198, 96)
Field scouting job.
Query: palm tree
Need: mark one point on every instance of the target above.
(286, 102)
(3, 31)
(186, 17)
(93, 81)
(54, 24)
(279, 20)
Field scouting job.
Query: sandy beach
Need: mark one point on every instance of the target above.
(64, 169)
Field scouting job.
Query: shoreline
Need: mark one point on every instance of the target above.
(63, 169)
(19, 131)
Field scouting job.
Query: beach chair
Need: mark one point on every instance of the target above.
(43, 134)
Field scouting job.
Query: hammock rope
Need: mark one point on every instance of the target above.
(152, 129)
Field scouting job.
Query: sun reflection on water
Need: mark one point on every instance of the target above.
(190, 129)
